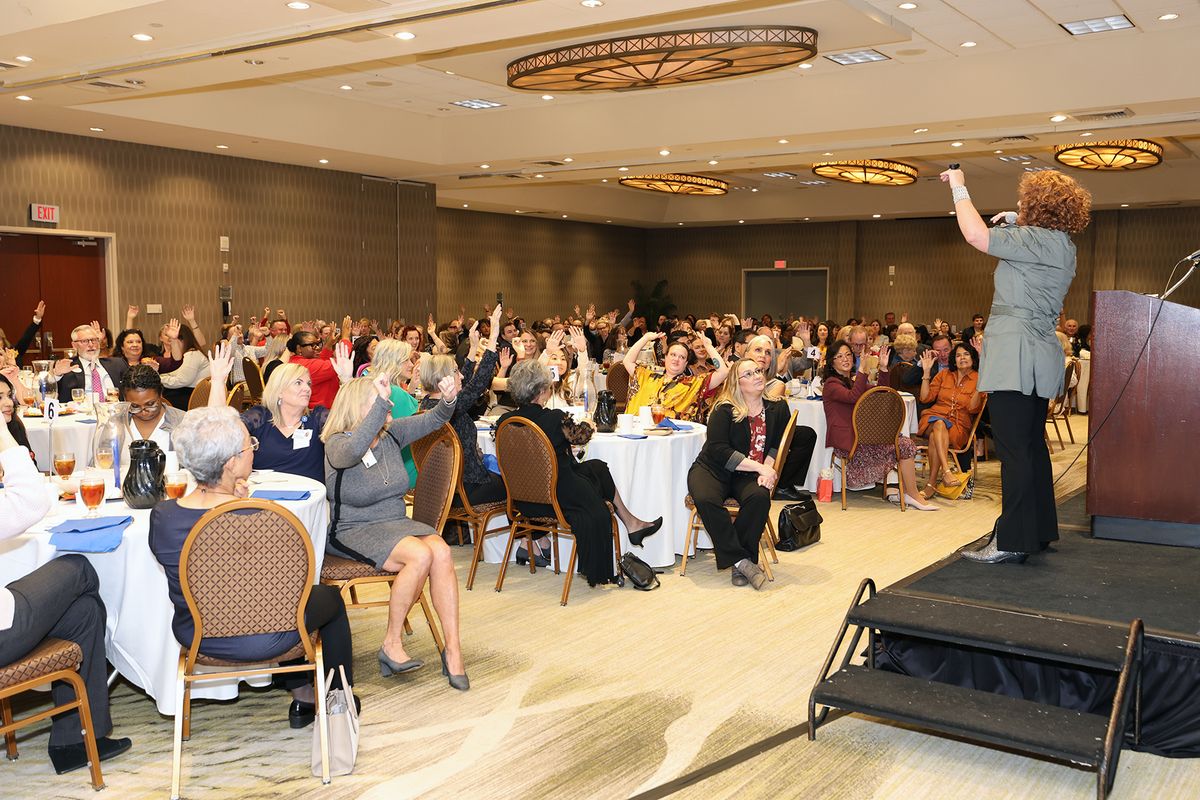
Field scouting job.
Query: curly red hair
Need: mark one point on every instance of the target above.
(1052, 200)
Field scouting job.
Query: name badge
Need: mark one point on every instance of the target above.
(369, 460)
(301, 438)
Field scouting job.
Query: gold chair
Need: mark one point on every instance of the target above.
(922, 443)
(769, 537)
(242, 574)
(617, 382)
(236, 399)
(199, 398)
(51, 660)
(254, 380)
(477, 516)
(878, 419)
(1060, 406)
(434, 492)
(530, 470)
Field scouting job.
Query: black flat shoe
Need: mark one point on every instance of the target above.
(637, 537)
(68, 757)
(523, 558)
(301, 715)
(791, 493)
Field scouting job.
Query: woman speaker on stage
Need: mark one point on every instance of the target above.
(1021, 364)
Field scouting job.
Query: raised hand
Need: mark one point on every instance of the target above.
(927, 361)
(130, 312)
(96, 327)
(382, 385)
(591, 312)
(977, 342)
(555, 340)
(448, 386)
(473, 336)
(507, 356)
(173, 328)
(343, 364)
(904, 317)
(885, 354)
(220, 363)
(39, 313)
(63, 366)
(632, 305)
(579, 341)
(189, 314)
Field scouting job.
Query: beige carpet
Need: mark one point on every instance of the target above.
(619, 692)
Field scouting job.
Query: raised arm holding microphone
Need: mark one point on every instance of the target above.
(1021, 364)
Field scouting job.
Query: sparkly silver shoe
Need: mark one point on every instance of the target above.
(990, 554)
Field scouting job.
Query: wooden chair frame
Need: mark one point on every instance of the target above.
(238, 396)
(311, 643)
(254, 380)
(618, 383)
(71, 676)
(854, 447)
(524, 526)
(968, 447)
(1060, 406)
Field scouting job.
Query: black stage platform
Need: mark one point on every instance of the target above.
(1085, 580)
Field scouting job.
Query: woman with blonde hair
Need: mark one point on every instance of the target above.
(366, 482)
(738, 461)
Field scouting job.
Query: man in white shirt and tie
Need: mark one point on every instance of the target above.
(88, 371)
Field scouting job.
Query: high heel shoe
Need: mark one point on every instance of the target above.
(637, 537)
(460, 682)
(387, 667)
(538, 559)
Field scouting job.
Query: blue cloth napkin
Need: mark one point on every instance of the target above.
(86, 421)
(671, 424)
(490, 463)
(281, 494)
(632, 435)
(95, 535)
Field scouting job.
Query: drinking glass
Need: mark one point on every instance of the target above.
(64, 464)
(104, 458)
(91, 489)
(77, 396)
(176, 485)
(69, 353)
(658, 413)
(112, 395)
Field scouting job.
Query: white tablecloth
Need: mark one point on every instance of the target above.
(651, 477)
(139, 642)
(812, 414)
(1081, 389)
(70, 433)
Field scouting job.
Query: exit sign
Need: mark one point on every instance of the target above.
(39, 212)
(780, 265)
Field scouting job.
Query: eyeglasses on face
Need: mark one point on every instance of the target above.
(148, 408)
(253, 446)
(92, 340)
(752, 373)
(844, 354)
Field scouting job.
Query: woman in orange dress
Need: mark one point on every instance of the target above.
(955, 398)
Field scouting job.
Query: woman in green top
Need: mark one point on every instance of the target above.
(393, 357)
(1021, 366)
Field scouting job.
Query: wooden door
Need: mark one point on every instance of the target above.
(20, 287)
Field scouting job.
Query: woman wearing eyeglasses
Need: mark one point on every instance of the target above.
(738, 461)
(150, 417)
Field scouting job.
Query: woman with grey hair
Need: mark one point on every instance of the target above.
(583, 488)
(215, 447)
(482, 485)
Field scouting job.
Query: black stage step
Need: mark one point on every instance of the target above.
(969, 713)
(1094, 645)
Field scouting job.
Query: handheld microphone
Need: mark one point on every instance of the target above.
(1193, 257)
(954, 166)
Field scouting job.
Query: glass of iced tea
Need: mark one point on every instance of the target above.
(64, 464)
(104, 458)
(112, 395)
(176, 484)
(658, 413)
(91, 490)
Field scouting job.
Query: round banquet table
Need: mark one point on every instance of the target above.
(811, 412)
(72, 432)
(651, 477)
(139, 640)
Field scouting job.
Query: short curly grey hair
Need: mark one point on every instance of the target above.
(528, 379)
(206, 439)
(434, 368)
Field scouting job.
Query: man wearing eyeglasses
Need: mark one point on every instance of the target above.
(88, 371)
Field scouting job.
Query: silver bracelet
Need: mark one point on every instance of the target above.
(960, 193)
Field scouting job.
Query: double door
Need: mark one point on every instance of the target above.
(67, 272)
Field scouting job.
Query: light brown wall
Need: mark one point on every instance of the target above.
(316, 242)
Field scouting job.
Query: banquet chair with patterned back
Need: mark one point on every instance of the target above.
(254, 380)
(199, 398)
(51, 660)
(769, 537)
(1060, 406)
(896, 376)
(247, 567)
(878, 420)
(617, 382)
(530, 471)
(237, 397)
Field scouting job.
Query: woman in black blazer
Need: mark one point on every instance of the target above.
(738, 461)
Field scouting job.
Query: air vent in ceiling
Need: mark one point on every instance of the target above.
(1101, 116)
(551, 163)
(1163, 204)
(474, 175)
(1010, 139)
(112, 88)
(4, 65)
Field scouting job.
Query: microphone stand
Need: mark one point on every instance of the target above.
(1180, 282)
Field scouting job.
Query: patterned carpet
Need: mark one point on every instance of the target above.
(616, 694)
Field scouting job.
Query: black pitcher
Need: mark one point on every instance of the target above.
(605, 415)
(143, 486)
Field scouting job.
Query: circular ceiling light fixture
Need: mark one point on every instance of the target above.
(674, 183)
(668, 58)
(1114, 156)
(143, 37)
(405, 36)
(875, 172)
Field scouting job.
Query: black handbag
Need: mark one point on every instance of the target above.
(640, 574)
(799, 524)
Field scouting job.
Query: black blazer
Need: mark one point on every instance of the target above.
(728, 442)
(115, 367)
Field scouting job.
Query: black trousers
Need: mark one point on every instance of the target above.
(61, 600)
(795, 468)
(732, 541)
(490, 491)
(326, 611)
(1028, 518)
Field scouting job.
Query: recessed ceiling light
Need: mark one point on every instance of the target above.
(451, 72)
(26, 98)
(806, 65)
(806, 219)
(298, 6)
(1026, 163)
(712, 162)
(741, 222)
(485, 166)
(539, 175)
(664, 152)
(1168, 17)
(876, 216)
(222, 147)
(323, 161)
(857, 57)
(826, 154)
(591, 3)
(465, 205)
(1124, 205)
(567, 159)
(1059, 118)
(608, 220)
(518, 211)
(24, 59)
(604, 180)
(476, 104)
(143, 37)
(1098, 25)
(783, 141)
(96, 130)
(968, 44)
(755, 189)
(907, 6)
(956, 144)
(997, 152)
(920, 130)
(953, 213)
(564, 216)
(622, 169)
(678, 223)
(547, 97)
(1086, 133)
(405, 36)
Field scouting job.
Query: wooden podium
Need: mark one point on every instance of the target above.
(1144, 461)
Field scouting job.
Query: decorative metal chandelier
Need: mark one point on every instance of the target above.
(1122, 154)
(668, 58)
(674, 183)
(876, 172)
